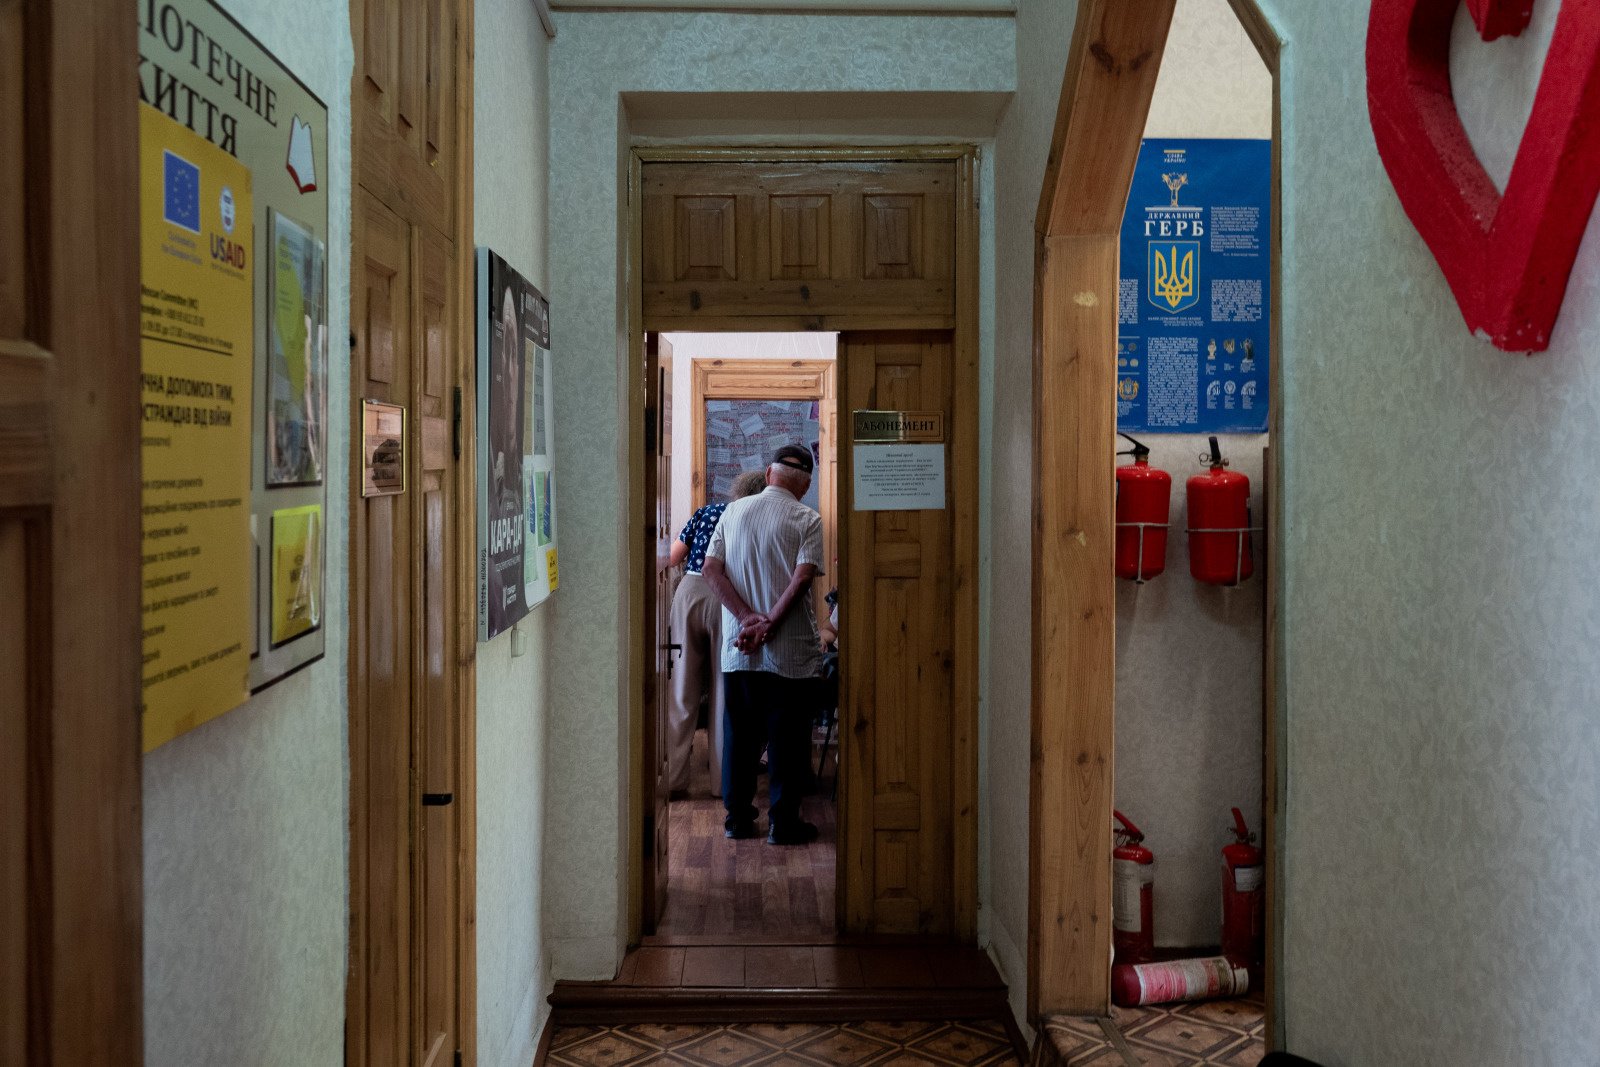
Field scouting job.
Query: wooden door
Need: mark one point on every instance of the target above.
(408, 956)
(70, 915)
(897, 653)
(659, 585)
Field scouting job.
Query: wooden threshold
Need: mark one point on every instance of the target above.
(834, 982)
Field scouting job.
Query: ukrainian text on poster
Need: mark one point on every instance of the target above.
(196, 360)
(199, 68)
(1194, 304)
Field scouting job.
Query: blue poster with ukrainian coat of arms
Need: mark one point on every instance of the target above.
(1194, 306)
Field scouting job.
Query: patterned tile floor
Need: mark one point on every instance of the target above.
(1217, 1033)
(878, 1044)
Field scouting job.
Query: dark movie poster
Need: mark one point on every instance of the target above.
(512, 323)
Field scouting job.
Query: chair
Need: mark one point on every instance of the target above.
(828, 717)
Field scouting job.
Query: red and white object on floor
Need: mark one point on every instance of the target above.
(1133, 871)
(1244, 897)
(1144, 504)
(1219, 523)
(1163, 983)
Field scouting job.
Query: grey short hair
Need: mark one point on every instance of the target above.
(791, 478)
(748, 484)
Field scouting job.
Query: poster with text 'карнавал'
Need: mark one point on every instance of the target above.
(1194, 304)
(516, 478)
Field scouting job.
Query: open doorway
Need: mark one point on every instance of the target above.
(877, 245)
(1100, 134)
(733, 400)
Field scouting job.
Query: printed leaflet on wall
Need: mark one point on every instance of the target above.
(195, 326)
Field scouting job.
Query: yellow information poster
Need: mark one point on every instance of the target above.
(195, 308)
(296, 572)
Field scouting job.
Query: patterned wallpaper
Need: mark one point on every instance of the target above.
(510, 207)
(1442, 609)
(594, 58)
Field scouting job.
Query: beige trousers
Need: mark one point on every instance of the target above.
(697, 626)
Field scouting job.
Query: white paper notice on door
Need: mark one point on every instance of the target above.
(899, 477)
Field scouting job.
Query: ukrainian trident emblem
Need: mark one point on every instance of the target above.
(1174, 275)
(1174, 182)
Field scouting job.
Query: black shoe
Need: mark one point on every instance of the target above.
(739, 831)
(793, 833)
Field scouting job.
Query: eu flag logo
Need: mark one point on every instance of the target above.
(180, 192)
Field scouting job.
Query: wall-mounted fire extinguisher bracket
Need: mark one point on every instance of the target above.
(1144, 494)
(1232, 493)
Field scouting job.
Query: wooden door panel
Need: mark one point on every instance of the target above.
(435, 734)
(898, 655)
(405, 93)
(658, 588)
(726, 240)
(381, 926)
(70, 890)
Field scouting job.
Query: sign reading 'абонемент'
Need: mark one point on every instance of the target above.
(898, 426)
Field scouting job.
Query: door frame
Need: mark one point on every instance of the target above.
(964, 458)
(1099, 125)
(465, 518)
(72, 921)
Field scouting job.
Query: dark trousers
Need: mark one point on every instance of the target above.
(765, 710)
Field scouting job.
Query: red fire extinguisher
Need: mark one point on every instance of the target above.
(1144, 499)
(1219, 523)
(1133, 870)
(1244, 897)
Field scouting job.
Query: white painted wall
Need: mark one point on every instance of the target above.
(594, 59)
(246, 818)
(1188, 654)
(511, 141)
(688, 347)
(1442, 608)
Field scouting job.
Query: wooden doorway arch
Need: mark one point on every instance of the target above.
(1105, 98)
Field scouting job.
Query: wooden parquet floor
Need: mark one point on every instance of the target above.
(948, 1044)
(719, 888)
(1213, 1033)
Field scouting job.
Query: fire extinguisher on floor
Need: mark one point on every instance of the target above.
(1144, 501)
(1219, 523)
(1244, 898)
(1133, 869)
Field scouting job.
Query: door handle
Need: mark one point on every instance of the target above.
(437, 800)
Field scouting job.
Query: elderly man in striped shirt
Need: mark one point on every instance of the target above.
(761, 561)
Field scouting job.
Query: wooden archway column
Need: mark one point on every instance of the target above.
(1105, 97)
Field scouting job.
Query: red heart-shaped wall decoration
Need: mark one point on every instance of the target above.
(1507, 257)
